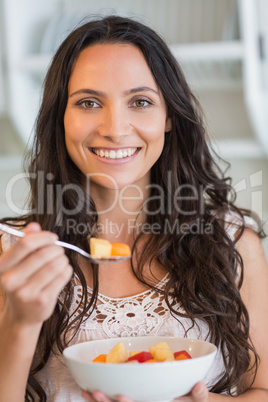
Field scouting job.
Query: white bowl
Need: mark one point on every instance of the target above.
(142, 382)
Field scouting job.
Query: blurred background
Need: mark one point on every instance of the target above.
(222, 46)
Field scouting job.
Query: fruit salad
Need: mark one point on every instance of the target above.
(159, 352)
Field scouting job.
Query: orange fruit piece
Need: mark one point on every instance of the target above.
(100, 359)
(182, 355)
(120, 249)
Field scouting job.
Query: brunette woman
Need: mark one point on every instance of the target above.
(121, 153)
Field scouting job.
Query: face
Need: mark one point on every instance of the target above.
(116, 117)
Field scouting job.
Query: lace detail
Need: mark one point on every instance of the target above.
(138, 315)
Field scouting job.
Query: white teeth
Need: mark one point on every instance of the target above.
(121, 153)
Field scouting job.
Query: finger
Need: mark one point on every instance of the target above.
(32, 227)
(39, 279)
(122, 398)
(44, 295)
(42, 305)
(87, 396)
(59, 282)
(47, 257)
(50, 272)
(101, 397)
(200, 392)
(24, 247)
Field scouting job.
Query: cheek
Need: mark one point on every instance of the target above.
(155, 141)
(76, 130)
(153, 129)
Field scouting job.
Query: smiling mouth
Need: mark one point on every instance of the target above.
(114, 153)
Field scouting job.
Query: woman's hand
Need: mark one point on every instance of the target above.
(32, 274)
(98, 396)
(199, 393)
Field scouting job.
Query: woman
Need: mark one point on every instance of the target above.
(121, 153)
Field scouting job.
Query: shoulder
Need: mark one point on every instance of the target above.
(247, 242)
(233, 222)
(250, 243)
(255, 297)
(255, 270)
(2, 293)
(250, 247)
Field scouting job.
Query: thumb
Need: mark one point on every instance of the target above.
(200, 392)
(32, 227)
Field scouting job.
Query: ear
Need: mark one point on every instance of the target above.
(168, 125)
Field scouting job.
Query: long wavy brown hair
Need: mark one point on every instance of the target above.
(202, 264)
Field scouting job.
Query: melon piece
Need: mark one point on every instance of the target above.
(162, 352)
(120, 249)
(100, 359)
(100, 248)
(118, 354)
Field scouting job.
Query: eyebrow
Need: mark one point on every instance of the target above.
(102, 94)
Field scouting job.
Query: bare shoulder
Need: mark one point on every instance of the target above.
(251, 249)
(254, 293)
(255, 282)
(254, 290)
(2, 293)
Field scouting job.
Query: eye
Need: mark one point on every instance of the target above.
(141, 103)
(88, 104)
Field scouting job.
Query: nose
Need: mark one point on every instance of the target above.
(115, 125)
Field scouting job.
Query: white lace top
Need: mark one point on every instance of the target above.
(139, 315)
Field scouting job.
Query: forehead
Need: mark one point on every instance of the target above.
(120, 62)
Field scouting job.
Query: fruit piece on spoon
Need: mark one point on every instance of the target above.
(120, 249)
(101, 248)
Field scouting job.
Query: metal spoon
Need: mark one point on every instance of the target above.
(102, 260)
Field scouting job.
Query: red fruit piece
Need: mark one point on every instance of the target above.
(182, 355)
(141, 357)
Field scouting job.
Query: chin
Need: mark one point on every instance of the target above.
(110, 183)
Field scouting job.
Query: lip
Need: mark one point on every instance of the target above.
(114, 161)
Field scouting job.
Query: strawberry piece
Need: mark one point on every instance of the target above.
(141, 357)
(182, 355)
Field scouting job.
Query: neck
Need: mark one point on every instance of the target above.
(120, 212)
